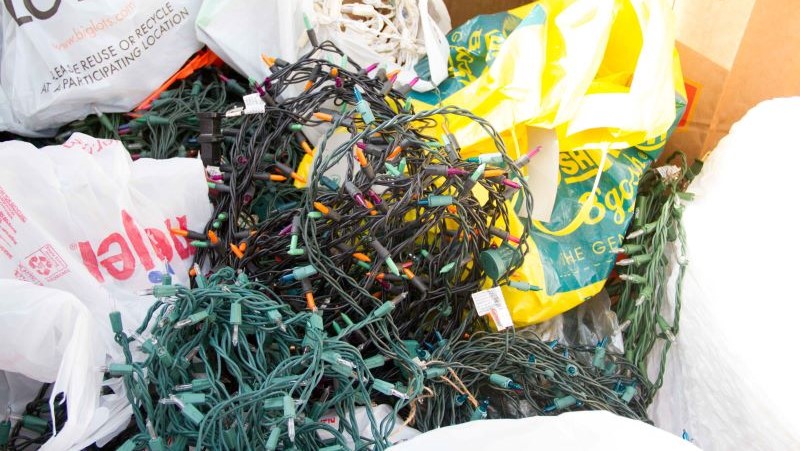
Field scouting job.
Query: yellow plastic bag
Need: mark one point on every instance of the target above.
(604, 75)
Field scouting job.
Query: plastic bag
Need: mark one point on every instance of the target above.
(592, 430)
(54, 339)
(729, 381)
(603, 75)
(63, 60)
(273, 28)
(394, 33)
(84, 218)
(584, 325)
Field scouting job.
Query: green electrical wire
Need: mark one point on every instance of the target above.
(229, 364)
(657, 236)
(168, 127)
(425, 220)
(34, 426)
(545, 379)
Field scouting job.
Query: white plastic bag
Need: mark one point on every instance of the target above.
(413, 29)
(54, 339)
(273, 27)
(599, 430)
(61, 59)
(10, 123)
(84, 218)
(730, 381)
(380, 413)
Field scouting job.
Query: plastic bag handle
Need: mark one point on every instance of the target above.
(583, 213)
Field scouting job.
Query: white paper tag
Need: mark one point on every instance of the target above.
(253, 104)
(493, 303)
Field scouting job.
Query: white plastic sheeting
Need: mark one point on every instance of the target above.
(585, 431)
(731, 379)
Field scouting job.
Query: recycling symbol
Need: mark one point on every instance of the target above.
(40, 264)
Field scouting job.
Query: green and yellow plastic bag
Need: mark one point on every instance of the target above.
(604, 75)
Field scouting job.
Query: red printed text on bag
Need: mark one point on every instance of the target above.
(117, 254)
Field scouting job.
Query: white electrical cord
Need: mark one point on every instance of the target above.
(391, 28)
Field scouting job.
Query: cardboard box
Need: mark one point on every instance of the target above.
(463, 10)
(735, 54)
